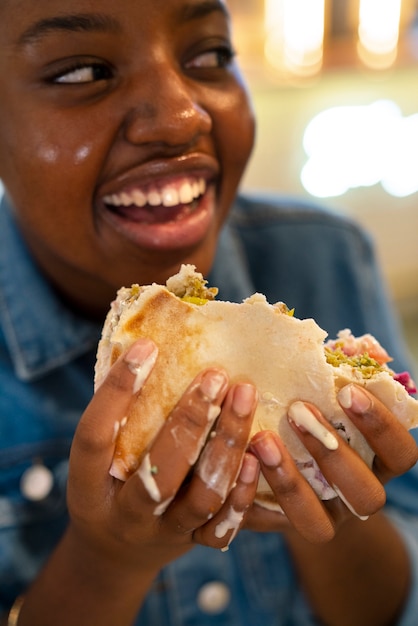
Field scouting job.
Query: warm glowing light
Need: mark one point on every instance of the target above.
(378, 32)
(361, 146)
(295, 35)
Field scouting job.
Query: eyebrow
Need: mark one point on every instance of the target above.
(201, 9)
(104, 23)
(69, 23)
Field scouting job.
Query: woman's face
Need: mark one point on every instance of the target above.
(124, 131)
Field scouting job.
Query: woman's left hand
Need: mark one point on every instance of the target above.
(360, 488)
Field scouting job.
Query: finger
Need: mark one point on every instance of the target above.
(261, 519)
(222, 529)
(221, 459)
(396, 450)
(341, 466)
(178, 444)
(220, 462)
(299, 502)
(94, 441)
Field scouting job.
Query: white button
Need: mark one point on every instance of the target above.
(36, 482)
(213, 597)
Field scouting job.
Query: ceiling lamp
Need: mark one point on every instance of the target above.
(295, 35)
(378, 32)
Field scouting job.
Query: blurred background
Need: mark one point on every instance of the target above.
(335, 90)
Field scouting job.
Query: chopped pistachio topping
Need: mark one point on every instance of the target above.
(194, 300)
(189, 284)
(363, 362)
(134, 292)
(283, 308)
(196, 289)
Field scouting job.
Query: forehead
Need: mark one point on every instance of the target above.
(25, 10)
(31, 18)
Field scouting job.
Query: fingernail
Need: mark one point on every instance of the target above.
(303, 417)
(139, 353)
(243, 399)
(141, 359)
(268, 450)
(212, 383)
(352, 397)
(249, 470)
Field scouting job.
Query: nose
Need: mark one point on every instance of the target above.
(166, 110)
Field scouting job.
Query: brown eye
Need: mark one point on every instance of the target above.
(84, 74)
(218, 58)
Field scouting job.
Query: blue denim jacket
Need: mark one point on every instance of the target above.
(311, 259)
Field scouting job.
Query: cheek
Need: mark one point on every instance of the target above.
(235, 131)
(44, 163)
(66, 157)
(47, 154)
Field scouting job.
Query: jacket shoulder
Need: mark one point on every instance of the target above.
(253, 210)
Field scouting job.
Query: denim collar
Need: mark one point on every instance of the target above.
(41, 333)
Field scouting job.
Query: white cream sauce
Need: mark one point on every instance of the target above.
(141, 372)
(302, 416)
(117, 427)
(161, 508)
(232, 522)
(213, 471)
(363, 518)
(145, 473)
(180, 436)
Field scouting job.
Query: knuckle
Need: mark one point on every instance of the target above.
(398, 464)
(323, 533)
(88, 439)
(286, 484)
(195, 415)
(409, 457)
(117, 380)
(374, 503)
(233, 437)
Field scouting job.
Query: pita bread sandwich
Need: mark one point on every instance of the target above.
(286, 358)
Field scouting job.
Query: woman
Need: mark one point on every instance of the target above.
(125, 129)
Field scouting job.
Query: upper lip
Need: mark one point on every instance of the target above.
(161, 172)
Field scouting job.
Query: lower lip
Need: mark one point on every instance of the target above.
(165, 229)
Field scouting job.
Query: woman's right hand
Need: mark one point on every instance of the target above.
(190, 488)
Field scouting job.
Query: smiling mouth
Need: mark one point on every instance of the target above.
(171, 202)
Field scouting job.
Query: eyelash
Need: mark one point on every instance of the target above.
(100, 71)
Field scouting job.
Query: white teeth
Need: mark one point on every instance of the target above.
(169, 196)
(196, 189)
(125, 199)
(139, 198)
(154, 198)
(114, 199)
(186, 193)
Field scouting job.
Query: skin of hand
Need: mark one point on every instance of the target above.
(189, 483)
(202, 491)
(354, 568)
(196, 488)
(360, 487)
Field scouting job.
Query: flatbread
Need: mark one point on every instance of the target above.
(253, 341)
